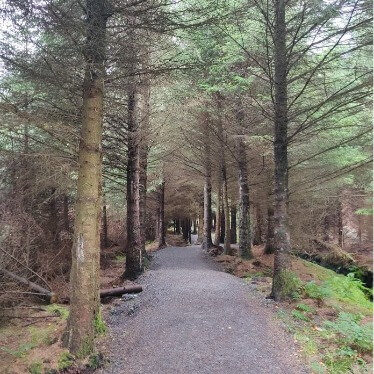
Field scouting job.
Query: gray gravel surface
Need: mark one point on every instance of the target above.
(193, 318)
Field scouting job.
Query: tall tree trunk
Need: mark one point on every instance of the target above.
(185, 229)
(84, 278)
(144, 124)
(189, 230)
(162, 227)
(223, 176)
(207, 241)
(233, 224)
(194, 227)
(134, 263)
(245, 250)
(281, 230)
(157, 223)
(223, 227)
(218, 214)
(200, 226)
(257, 235)
(226, 210)
(138, 125)
(269, 246)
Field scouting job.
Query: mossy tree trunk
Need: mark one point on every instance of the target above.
(84, 278)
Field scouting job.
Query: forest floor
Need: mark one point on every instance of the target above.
(194, 318)
(203, 315)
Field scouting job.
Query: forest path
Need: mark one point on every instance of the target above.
(193, 318)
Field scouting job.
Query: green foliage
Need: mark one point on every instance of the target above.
(65, 361)
(58, 310)
(289, 285)
(297, 314)
(305, 308)
(315, 291)
(349, 290)
(36, 368)
(351, 332)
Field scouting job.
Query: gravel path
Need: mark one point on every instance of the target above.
(193, 318)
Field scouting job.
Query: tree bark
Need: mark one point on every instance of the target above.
(189, 231)
(223, 177)
(200, 226)
(217, 234)
(223, 227)
(207, 240)
(269, 246)
(194, 227)
(226, 210)
(138, 126)
(134, 262)
(281, 230)
(84, 277)
(233, 224)
(245, 250)
(119, 291)
(257, 235)
(144, 124)
(157, 222)
(178, 226)
(162, 226)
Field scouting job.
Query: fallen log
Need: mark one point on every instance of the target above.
(119, 291)
(42, 292)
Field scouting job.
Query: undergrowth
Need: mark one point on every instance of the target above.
(342, 342)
